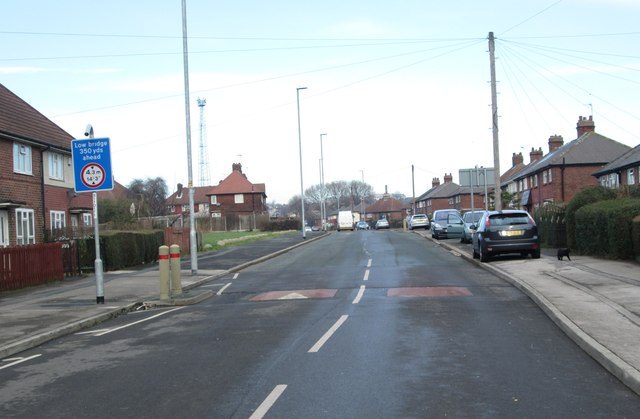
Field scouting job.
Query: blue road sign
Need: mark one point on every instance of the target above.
(92, 164)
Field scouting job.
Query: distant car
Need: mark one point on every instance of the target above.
(440, 227)
(419, 221)
(315, 228)
(362, 225)
(508, 231)
(382, 223)
(470, 218)
(307, 228)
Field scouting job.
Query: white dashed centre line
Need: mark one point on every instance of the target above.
(360, 294)
(327, 336)
(236, 276)
(366, 275)
(369, 263)
(263, 409)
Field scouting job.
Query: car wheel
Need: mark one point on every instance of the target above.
(536, 254)
(484, 257)
(475, 254)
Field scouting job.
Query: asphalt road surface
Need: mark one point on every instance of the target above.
(365, 324)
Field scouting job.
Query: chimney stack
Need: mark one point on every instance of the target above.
(435, 182)
(448, 178)
(535, 155)
(555, 142)
(236, 167)
(585, 125)
(516, 159)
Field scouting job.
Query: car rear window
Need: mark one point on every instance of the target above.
(509, 219)
(472, 217)
(419, 216)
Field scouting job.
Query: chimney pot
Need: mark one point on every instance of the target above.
(555, 142)
(585, 125)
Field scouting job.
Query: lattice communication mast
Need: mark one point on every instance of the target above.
(205, 173)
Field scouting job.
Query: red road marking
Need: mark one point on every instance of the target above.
(295, 294)
(429, 292)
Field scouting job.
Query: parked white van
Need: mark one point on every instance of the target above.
(345, 220)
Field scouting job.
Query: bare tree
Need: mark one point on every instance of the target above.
(151, 195)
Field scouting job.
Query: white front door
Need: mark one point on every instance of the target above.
(4, 228)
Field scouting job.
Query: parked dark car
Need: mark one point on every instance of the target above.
(508, 231)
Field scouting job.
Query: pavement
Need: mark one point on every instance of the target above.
(595, 302)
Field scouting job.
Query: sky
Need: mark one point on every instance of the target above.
(393, 85)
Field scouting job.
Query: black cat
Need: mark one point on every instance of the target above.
(564, 251)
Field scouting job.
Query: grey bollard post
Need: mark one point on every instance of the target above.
(176, 275)
(163, 262)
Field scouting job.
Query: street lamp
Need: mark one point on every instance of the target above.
(362, 198)
(304, 233)
(323, 210)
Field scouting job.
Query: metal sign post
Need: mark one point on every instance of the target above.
(91, 159)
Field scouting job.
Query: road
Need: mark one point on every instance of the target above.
(366, 324)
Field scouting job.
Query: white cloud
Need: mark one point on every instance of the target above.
(21, 70)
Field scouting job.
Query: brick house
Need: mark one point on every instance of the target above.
(439, 196)
(622, 171)
(566, 169)
(387, 207)
(36, 176)
(235, 195)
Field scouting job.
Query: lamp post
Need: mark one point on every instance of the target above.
(362, 199)
(304, 233)
(323, 209)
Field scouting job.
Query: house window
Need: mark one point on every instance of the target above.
(25, 227)
(172, 208)
(544, 178)
(525, 184)
(535, 181)
(631, 180)
(214, 199)
(87, 219)
(58, 220)
(4, 228)
(238, 198)
(22, 158)
(56, 168)
(550, 179)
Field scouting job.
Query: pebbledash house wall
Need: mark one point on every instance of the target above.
(20, 187)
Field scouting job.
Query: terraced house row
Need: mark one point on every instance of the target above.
(588, 160)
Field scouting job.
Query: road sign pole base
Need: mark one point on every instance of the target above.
(99, 300)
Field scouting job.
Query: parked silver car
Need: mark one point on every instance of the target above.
(382, 223)
(470, 218)
(419, 221)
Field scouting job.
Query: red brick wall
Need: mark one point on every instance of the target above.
(23, 188)
(576, 178)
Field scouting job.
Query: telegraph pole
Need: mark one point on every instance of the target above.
(494, 113)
